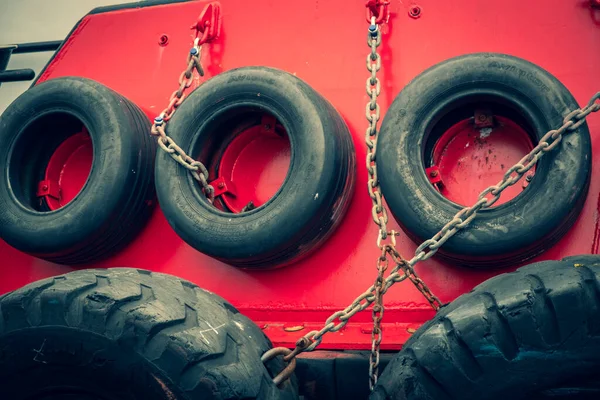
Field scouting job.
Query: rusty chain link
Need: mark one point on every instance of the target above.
(378, 211)
(405, 269)
(196, 168)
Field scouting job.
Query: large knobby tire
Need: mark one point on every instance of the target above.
(313, 197)
(513, 336)
(130, 334)
(118, 195)
(446, 93)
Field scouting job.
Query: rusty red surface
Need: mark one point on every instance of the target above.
(323, 43)
(253, 166)
(471, 157)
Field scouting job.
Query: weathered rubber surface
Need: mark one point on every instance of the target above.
(513, 336)
(512, 232)
(117, 198)
(131, 334)
(312, 199)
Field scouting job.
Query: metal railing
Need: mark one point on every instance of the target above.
(24, 74)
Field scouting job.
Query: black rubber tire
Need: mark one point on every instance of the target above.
(517, 230)
(513, 336)
(118, 196)
(131, 334)
(310, 203)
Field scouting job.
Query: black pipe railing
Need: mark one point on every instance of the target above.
(25, 74)
(37, 47)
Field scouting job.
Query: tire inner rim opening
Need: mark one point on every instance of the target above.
(51, 161)
(248, 158)
(470, 148)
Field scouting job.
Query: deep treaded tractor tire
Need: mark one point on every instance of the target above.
(130, 334)
(513, 336)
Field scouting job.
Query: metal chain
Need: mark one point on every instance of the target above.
(378, 211)
(405, 269)
(196, 168)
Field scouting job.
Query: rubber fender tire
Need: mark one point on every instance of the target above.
(118, 195)
(514, 231)
(513, 336)
(131, 334)
(313, 197)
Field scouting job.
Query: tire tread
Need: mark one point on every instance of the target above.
(515, 307)
(158, 321)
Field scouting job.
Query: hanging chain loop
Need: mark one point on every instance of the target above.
(166, 143)
(386, 240)
(378, 211)
(404, 269)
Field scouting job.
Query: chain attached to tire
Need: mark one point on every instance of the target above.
(167, 144)
(405, 269)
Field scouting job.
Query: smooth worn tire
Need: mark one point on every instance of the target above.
(513, 336)
(313, 197)
(118, 195)
(130, 334)
(514, 231)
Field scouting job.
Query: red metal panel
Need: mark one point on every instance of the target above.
(324, 43)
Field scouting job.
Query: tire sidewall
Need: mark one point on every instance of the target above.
(307, 195)
(115, 163)
(562, 176)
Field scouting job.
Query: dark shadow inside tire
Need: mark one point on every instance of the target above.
(32, 150)
(532, 99)
(219, 132)
(314, 195)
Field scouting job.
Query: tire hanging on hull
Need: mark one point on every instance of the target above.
(448, 93)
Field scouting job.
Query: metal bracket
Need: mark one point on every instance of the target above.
(223, 186)
(209, 22)
(267, 124)
(48, 187)
(433, 174)
(484, 119)
(379, 10)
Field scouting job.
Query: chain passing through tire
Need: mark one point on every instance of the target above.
(405, 269)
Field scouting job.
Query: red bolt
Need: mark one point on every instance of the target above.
(45, 187)
(221, 185)
(414, 12)
(433, 174)
(163, 40)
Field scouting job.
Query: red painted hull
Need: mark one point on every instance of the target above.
(323, 43)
